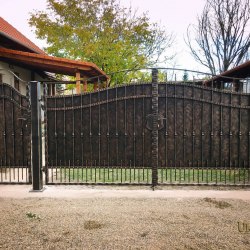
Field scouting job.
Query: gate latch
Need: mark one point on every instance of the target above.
(150, 119)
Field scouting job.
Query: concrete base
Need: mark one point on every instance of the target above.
(37, 191)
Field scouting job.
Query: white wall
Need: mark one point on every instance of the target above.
(24, 74)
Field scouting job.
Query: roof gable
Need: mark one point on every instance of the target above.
(9, 32)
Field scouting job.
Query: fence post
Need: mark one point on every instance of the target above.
(36, 136)
(154, 139)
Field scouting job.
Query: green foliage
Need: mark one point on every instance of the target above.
(102, 32)
(185, 76)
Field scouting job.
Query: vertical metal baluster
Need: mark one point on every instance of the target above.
(225, 171)
(130, 174)
(64, 133)
(125, 129)
(17, 171)
(235, 170)
(184, 133)
(207, 175)
(4, 129)
(9, 165)
(82, 134)
(244, 172)
(216, 171)
(171, 168)
(1, 168)
(69, 169)
(104, 173)
(45, 96)
(180, 172)
(13, 134)
(108, 131)
(99, 128)
(231, 134)
(239, 134)
(143, 130)
(61, 172)
(212, 125)
(82, 167)
(86, 171)
(95, 171)
(113, 172)
(116, 128)
(134, 132)
(55, 128)
(166, 130)
(221, 133)
(175, 132)
(73, 133)
(193, 131)
(202, 133)
(77, 171)
(248, 162)
(90, 128)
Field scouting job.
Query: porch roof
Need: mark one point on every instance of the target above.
(52, 64)
(241, 71)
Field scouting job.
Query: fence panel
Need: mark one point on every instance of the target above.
(14, 136)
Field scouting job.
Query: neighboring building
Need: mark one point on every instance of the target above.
(20, 59)
(237, 79)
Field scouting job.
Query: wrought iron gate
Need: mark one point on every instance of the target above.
(149, 133)
(14, 136)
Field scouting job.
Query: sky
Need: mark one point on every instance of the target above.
(173, 15)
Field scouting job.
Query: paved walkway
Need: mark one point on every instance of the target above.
(79, 192)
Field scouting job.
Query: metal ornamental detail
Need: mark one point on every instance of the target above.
(149, 121)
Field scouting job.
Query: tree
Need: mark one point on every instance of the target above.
(221, 40)
(185, 76)
(101, 31)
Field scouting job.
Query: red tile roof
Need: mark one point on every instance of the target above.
(240, 71)
(12, 33)
(52, 64)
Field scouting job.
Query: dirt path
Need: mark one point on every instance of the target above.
(122, 219)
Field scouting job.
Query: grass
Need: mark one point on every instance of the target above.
(144, 175)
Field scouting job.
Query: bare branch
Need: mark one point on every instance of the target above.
(221, 39)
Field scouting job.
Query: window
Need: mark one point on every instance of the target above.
(16, 81)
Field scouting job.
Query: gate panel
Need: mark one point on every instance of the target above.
(105, 136)
(14, 136)
(100, 137)
(206, 136)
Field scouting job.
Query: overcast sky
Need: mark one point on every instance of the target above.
(174, 15)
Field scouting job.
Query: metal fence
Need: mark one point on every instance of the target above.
(14, 136)
(160, 130)
(153, 133)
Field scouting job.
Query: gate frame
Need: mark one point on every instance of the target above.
(36, 136)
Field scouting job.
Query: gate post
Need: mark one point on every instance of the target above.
(36, 136)
(154, 140)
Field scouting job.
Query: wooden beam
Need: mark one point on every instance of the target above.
(95, 86)
(85, 86)
(78, 83)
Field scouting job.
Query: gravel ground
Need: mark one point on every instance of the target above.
(123, 223)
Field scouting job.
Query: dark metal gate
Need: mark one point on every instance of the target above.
(14, 136)
(149, 133)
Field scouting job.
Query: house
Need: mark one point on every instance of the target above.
(22, 61)
(237, 79)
